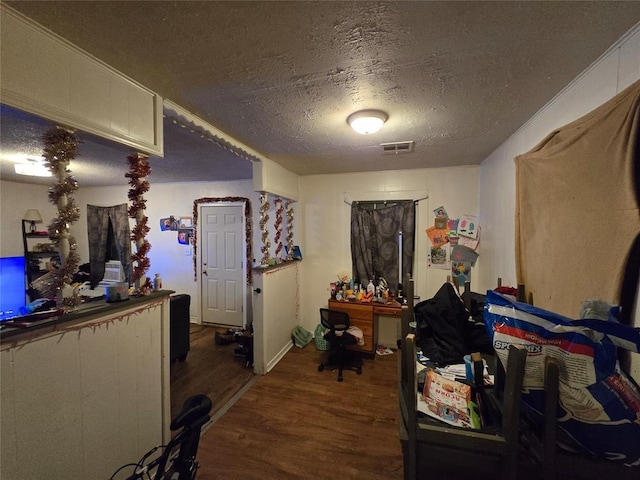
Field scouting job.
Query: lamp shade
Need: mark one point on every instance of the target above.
(367, 121)
(32, 215)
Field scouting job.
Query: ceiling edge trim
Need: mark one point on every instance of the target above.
(187, 119)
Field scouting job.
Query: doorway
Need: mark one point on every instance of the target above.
(212, 368)
(209, 369)
(222, 285)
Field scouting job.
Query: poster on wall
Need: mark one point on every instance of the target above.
(463, 254)
(471, 243)
(439, 257)
(468, 226)
(461, 272)
(440, 212)
(437, 236)
(184, 236)
(186, 222)
(169, 224)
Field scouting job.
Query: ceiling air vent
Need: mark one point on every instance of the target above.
(397, 147)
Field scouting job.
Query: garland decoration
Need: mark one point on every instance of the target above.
(63, 328)
(124, 317)
(264, 218)
(278, 226)
(60, 147)
(248, 230)
(289, 207)
(139, 169)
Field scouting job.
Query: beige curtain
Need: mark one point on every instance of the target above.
(576, 210)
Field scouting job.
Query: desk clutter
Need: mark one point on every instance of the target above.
(364, 316)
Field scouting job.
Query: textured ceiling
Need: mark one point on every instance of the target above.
(458, 78)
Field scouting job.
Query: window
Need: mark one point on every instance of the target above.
(382, 241)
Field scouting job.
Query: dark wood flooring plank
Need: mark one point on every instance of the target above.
(210, 368)
(298, 423)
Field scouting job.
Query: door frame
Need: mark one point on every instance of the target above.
(246, 245)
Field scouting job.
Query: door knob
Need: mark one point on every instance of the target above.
(204, 272)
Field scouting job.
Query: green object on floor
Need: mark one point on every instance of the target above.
(301, 337)
(321, 343)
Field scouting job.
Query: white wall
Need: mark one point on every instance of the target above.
(81, 402)
(618, 68)
(277, 307)
(324, 227)
(268, 176)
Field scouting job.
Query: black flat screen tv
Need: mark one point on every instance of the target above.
(12, 286)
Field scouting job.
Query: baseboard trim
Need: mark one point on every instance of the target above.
(273, 362)
(218, 415)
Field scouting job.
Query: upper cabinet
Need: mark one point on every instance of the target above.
(46, 75)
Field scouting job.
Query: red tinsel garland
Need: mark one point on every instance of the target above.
(139, 169)
(278, 226)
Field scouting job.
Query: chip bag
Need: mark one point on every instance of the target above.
(599, 405)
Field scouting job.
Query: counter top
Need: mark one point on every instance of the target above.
(13, 329)
(270, 268)
(389, 308)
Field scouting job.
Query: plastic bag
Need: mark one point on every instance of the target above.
(599, 406)
(301, 337)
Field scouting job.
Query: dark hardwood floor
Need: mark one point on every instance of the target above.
(298, 423)
(210, 368)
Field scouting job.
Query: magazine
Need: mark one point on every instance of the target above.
(447, 400)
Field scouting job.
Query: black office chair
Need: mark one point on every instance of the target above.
(339, 357)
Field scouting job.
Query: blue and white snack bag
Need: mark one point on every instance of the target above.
(599, 405)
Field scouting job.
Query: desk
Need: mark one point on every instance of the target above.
(365, 317)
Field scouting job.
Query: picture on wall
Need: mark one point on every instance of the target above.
(184, 236)
(169, 224)
(437, 236)
(439, 257)
(461, 272)
(186, 222)
(468, 226)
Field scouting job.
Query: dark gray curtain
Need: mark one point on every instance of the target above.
(98, 220)
(374, 241)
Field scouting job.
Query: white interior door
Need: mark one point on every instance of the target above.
(222, 265)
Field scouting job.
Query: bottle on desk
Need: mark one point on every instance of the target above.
(157, 282)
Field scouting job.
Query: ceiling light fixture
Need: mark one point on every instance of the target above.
(32, 168)
(367, 121)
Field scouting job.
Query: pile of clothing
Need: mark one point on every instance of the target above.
(446, 331)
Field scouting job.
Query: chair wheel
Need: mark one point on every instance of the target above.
(359, 371)
(320, 368)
